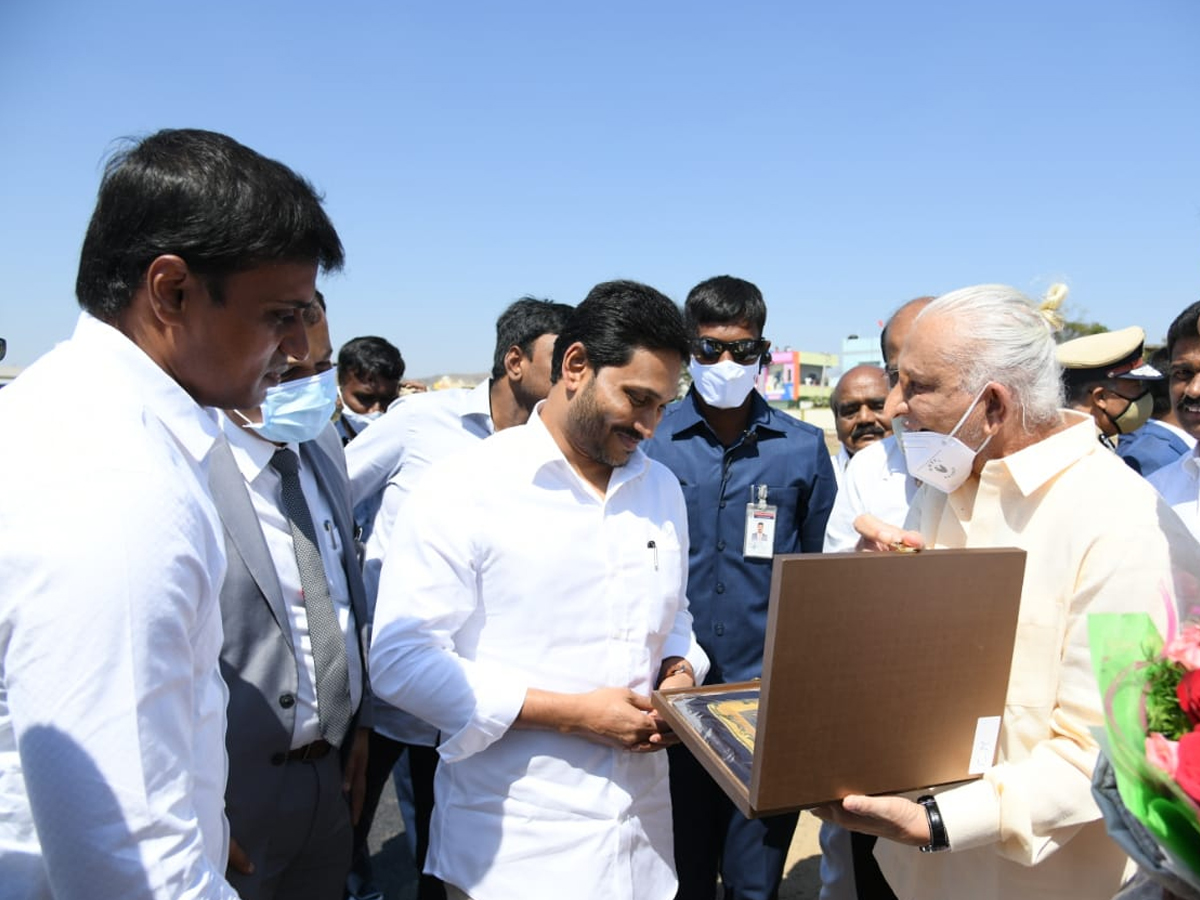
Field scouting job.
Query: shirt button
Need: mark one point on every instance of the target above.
(287, 701)
(718, 629)
(720, 545)
(720, 588)
(721, 504)
(278, 759)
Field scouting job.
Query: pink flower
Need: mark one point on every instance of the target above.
(1184, 648)
(1162, 753)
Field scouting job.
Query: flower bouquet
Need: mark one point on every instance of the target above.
(1151, 693)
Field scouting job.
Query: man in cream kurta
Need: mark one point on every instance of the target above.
(1097, 541)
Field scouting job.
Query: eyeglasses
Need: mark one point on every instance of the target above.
(708, 350)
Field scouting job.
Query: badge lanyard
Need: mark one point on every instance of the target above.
(760, 525)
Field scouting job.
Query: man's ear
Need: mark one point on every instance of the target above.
(576, 367)
(998, 405)
(514, 363)
(1095, 396)
(168, 283)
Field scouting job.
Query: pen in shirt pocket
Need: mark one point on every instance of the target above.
(653, 548)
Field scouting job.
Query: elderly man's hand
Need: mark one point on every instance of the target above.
(878, 535)
(895, 818)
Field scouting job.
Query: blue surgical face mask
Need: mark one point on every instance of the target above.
(298, 411)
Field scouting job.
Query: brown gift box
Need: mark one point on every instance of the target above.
(882, 673)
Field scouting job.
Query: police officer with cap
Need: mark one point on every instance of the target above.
(1105, 376)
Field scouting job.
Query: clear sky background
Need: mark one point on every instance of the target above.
(844, 156)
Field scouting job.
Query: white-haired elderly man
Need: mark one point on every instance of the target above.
(1003, 465)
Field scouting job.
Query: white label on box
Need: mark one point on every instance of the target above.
(983, 753)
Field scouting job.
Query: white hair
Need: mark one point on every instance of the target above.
(999, 336)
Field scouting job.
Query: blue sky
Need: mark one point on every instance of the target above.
(843, 156)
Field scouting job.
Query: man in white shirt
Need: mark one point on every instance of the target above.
(197, 261)
(534, 649)
(385, 463)
(877, 483)
(297, 749)
(1002, 465)
(858, 413)
(1179, 482)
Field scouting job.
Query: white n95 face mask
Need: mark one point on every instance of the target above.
(724, 384)
(941, 461)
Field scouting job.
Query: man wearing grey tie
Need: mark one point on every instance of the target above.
(295, 618)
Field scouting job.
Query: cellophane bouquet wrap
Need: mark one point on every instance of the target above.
(1151, 691)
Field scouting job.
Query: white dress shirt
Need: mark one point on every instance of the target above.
(253, 457)
(112, 709)
(386, 461)
(1098, 539)
(875, 482)
(1179, 484)
(508, 571)
(839, 464)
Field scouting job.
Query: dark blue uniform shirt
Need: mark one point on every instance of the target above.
(1151, 447)
(728, 592)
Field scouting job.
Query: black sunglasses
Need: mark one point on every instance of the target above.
(708, 350)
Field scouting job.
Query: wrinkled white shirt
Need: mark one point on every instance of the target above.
(112, 710)
(386, 461)
(507, 571)
(876, 482)
(1179, 484)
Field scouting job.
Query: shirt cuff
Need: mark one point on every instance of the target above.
(498, 702)
(971, 813)
(689, 650)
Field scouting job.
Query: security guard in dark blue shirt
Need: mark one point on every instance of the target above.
(757, 482)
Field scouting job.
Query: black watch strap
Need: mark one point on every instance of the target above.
(938, 838)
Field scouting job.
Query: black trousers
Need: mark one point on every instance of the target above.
(422, 764)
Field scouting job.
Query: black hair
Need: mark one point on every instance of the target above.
(616, 318)
(370, 355)
(202, 196)
(724, 300)
(522, 324)
(1184, 326)
(315, 311)
(1078, 383)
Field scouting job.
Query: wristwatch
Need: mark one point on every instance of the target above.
(938, 839)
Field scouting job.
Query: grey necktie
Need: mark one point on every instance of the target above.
(325, 635)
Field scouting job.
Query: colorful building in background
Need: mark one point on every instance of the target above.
(797, 375)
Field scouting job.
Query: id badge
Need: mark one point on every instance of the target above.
(760, 527)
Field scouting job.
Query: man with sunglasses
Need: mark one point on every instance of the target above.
(741, 464)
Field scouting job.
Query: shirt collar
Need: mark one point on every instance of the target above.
(1035, 465)
(688, 416)
(1191, 462)
(192, 425)
(251, 452)
(477, 404)
(543, 451)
